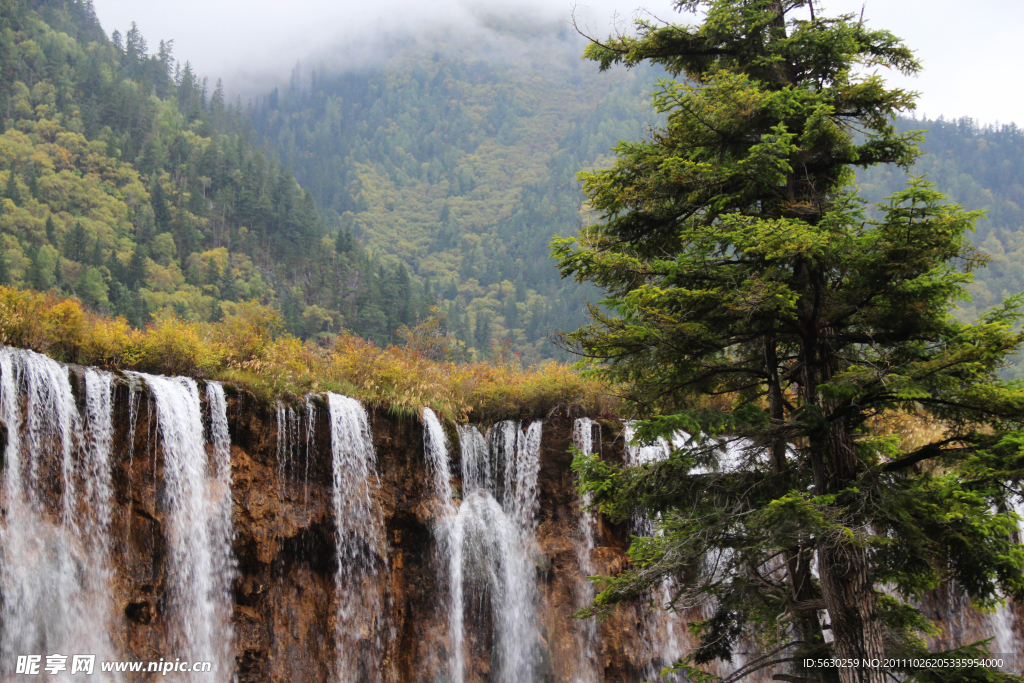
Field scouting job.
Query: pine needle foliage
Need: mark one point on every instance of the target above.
(738, 262)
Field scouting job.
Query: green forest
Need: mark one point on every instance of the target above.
(461, 164)
(131, 183)
(359, 199)
(461, 167)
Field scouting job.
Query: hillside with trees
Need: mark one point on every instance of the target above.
(457, 156)
(129, 182)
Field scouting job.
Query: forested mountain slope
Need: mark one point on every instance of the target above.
(458, 156)
(436, 175)
(979, 167)
(128, 182)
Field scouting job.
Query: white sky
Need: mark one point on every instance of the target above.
(972, 52)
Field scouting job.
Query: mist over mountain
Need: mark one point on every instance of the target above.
(254, 47)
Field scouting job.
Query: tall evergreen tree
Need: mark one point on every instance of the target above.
(11, 189)
(738, 264)
(228, 291)
(161, 212)
(77, 244)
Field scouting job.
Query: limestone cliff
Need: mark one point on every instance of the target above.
(291, 619)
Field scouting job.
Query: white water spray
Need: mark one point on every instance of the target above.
(362, 634)
(55, 567)
(199, 576)
(587, 668)
(222, 531)
(664, 630)
(435, 452)
(491, 551)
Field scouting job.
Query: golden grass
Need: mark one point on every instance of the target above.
(251, 349)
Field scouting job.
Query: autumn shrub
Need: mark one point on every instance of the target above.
(249, 348)
(174, 346)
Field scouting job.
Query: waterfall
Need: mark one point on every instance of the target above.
(475, 477)
(361, 631)
(664, 630)
(583, 439)
(492, 546)
(310, 446)
(289, 432)
(587, 667)
(222, 531)
(95, 513)
(476, 464)
(435, 452)
(198, 534)
(1005, 642)
(55, 566)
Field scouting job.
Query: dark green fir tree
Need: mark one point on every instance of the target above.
(751, 304)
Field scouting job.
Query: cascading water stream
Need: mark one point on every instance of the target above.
(289, 432)
(491, 550)
(198, 528)
(587, 667)
(435, 452)
(55, 568)
(96, 510)
(475, 477)
(362, 634)
(1002, 622)
(222, 532)
(664, 630)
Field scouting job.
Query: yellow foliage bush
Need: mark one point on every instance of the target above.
(250, 348)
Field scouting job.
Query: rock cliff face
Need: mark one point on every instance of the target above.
(285, 605)
(294, 612)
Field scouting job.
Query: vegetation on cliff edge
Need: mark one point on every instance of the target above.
(251, 348)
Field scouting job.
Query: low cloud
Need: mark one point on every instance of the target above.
(969, 55)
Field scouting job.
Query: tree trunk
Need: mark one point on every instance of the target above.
(844, 570)
(850, 598)
(843, 567)
(798, 558)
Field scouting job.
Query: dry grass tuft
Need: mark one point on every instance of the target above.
(251, 349)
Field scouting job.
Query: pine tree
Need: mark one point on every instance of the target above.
(161, 212)
(77, 244)
(32, 181)
(750, 301)
(97, 258)
(343, 241)
(137, 269)
(11, 190)
(228, 291)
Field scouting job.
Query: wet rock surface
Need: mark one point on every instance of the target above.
(285, 602)
(284, 612)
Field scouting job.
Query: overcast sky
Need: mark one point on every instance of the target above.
(972, 53)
